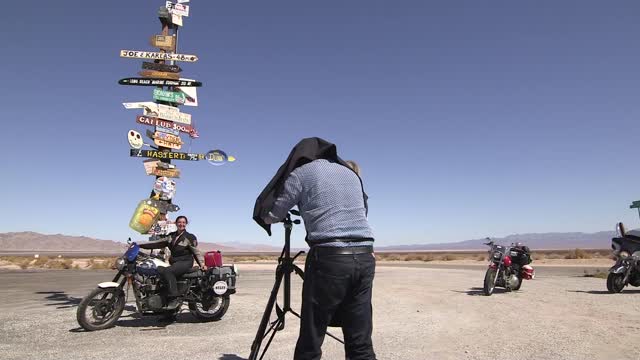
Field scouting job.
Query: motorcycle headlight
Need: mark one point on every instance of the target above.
(120, 263)
(497, 255)
(623, 254)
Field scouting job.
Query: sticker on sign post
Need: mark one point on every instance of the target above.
(164, 42)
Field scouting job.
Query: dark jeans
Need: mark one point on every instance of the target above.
(337, 288)
(169, 275)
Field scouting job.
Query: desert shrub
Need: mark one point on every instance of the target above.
(449, 257)
(59, 264)
(109, 263)
(24, 263)
(598, 274)
(577, 254)
(41, 261)
(481, 258)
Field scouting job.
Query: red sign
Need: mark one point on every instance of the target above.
(151, 121)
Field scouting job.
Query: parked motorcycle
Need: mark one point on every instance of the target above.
(206, 292)
(626, 251)
(508, 266)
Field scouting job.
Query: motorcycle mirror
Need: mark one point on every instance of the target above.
(129, 241)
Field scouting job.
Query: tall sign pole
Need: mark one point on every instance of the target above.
(161, 71)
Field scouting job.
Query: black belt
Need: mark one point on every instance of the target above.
(334, 250)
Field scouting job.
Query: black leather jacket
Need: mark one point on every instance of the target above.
(183, 246)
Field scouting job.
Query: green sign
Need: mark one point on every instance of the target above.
(170, 96)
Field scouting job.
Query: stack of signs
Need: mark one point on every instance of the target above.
(168, 122)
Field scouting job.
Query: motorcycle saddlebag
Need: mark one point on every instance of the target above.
(213, 259)
(528, 273)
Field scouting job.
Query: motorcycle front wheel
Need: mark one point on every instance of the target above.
(100, 309)
(490, 281)
(210, 312)
(615, 283)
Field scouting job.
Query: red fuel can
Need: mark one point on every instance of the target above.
(213, 259)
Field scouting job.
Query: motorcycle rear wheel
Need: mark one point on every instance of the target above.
(615, 283)
(490, 281)
(100, 309)
(215, 312)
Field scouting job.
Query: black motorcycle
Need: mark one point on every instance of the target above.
(626, 251)
(508, 266)
(206, 292)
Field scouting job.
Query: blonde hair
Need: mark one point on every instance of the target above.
(354, 166)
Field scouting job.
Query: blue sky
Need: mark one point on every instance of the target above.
(469, 119)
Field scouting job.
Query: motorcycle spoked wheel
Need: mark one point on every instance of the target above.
(490, 281)
(615, 283)
(212, 310)
(100, 309)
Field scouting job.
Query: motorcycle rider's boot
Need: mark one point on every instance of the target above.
(172, 303)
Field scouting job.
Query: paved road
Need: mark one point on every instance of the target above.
(419, 313)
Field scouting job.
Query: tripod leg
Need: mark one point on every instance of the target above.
(257, 342)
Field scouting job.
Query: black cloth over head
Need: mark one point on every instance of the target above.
(305, 151)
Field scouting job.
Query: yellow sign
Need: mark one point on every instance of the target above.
(164, 42)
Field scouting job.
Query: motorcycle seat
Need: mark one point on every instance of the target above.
(633, 234)
(193, 273)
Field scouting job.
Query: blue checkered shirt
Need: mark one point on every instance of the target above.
(331, 203)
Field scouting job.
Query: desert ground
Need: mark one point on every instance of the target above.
(421, 311)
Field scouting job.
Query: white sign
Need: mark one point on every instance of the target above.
(135, 54)
(190, 93)
(161, 111)
(220, 287)
(176, 19)
(177, 9)
(183, 1)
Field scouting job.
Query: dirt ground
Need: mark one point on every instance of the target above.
(419, 313)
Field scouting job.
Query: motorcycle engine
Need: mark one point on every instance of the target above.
(512, 281)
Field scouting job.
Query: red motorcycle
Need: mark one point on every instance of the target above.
(508, 266)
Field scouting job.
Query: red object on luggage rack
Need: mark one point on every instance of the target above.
(213, 259)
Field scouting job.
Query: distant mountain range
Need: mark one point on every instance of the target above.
(544, 241)
(32, 242)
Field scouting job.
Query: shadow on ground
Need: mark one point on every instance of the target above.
(478, 291)
(604, 292)
(231, 357)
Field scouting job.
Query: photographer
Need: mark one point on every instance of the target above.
(340, 265)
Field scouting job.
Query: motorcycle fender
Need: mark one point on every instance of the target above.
(618, 269)
(108, 284)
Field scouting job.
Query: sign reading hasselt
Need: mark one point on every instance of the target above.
(165, 155)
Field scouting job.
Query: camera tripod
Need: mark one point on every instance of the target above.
(283, 271)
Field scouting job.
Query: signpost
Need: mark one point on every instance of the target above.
(159, 74)
(164, 42)
(158, 82)
(152, 121)
(161, 67)
(169, 96)
(136, 54)
(161, 111)
(165, 155)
